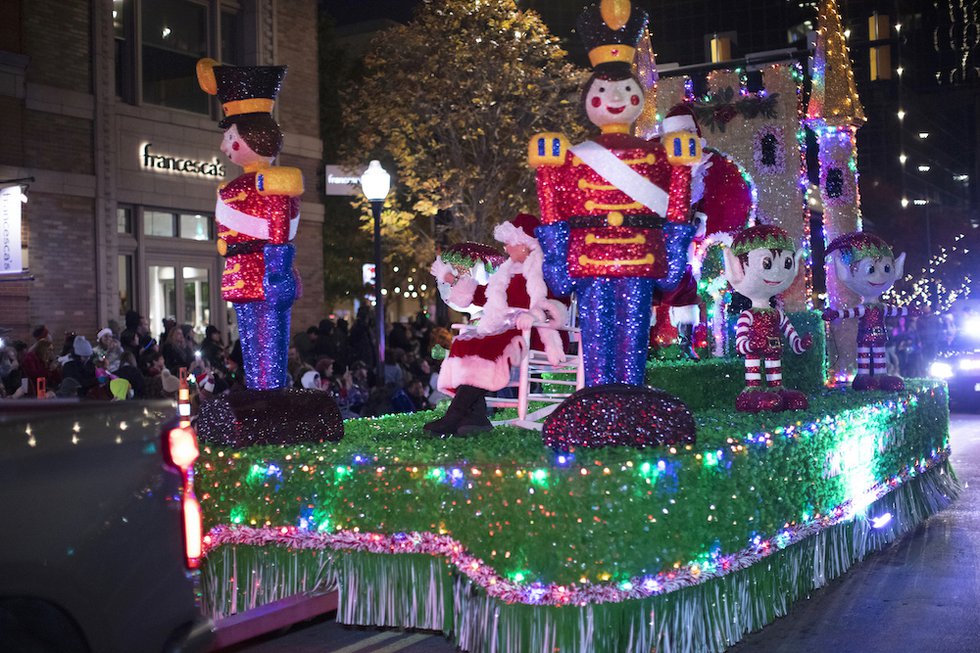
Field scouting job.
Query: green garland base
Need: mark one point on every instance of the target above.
(421, 591)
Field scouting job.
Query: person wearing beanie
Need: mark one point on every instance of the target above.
(516, 296)
(41, 333)
(80, 366)
(761, 263)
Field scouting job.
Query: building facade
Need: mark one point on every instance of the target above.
(101, 107)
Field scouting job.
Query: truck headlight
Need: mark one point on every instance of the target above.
(941, 370)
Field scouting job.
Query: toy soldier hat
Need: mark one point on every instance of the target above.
(859, 245)
(762, 236)
(241, 89)
(611, 32)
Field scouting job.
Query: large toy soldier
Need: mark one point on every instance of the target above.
(257, 216)
(616, 209)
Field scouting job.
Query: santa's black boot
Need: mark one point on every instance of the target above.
(457, 412)
(685, 333)
(476, 420)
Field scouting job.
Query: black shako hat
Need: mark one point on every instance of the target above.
(611, 31)
(241, 89)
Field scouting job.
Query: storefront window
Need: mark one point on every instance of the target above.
(125, 283)
(197, 298)
(124, 220)
(170, 36)
(163, 295)
(174, 35)
(195, 226)
(159, 223)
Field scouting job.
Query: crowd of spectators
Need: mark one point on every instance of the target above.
(129, 362)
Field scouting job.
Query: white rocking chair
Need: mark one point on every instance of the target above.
(535, 373)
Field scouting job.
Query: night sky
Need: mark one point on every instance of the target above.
(353, 11)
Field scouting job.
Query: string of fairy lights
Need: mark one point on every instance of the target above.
(927, 287)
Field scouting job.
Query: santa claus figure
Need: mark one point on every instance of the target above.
(761, 263)
(515, 297)
(866, 265)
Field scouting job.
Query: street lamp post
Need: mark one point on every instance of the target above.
(376, 182)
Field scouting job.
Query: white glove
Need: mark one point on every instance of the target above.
(525, 320)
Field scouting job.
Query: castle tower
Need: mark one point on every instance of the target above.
(835, 114)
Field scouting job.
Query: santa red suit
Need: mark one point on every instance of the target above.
(515, 295)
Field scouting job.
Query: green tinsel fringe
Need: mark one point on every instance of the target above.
(421, 591)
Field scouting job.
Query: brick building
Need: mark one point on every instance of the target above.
(100, 105)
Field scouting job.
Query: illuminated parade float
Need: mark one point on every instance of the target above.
(663, 505)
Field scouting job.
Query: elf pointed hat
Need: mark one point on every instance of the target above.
(611, 32)
(859, 245)
(243, 90)
(762, 236)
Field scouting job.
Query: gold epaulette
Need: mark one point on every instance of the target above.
(547, 149)
(280, 180)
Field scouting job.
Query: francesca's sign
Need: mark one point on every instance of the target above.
(341, 181)
(159, 162)
(10, 217)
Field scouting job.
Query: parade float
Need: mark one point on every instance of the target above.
(708, 527)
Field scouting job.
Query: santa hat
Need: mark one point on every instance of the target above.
(104, 332)
(205, 381)
(762, 236)
(519, 231)
(680, 118)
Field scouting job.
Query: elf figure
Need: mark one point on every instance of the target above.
(462, 271)
(257, 216)
(761, 263)
(616, 209)
(866, 265)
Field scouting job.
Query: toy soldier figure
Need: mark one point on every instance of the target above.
(615, 227)
(257, 215)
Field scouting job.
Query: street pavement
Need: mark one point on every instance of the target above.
(920, 594)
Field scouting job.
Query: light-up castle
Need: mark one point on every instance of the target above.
(763, 131)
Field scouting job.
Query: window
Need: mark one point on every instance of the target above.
(126, 283)
(769, 146)
(835, 183)
(156, 63)
(124, 220)
(195, 226)
(159, 223)
(167, 224)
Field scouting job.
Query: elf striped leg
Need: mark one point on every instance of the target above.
(753, 372)
(879, 361)
(864, 380)
(774, 373)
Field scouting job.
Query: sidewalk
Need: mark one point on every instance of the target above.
(920, 594)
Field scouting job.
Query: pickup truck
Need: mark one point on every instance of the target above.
(101, 528)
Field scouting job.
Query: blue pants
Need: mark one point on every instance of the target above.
(614, 315)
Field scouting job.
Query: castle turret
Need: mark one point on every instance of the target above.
(835, 114)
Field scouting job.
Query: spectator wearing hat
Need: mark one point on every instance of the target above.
(41, 333)
(107, 350)
(80, 365)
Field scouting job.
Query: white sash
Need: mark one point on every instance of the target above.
(619, 174)
(247, 224)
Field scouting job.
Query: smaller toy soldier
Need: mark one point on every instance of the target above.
(257, 215)
(866, 265)
(761, 263)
